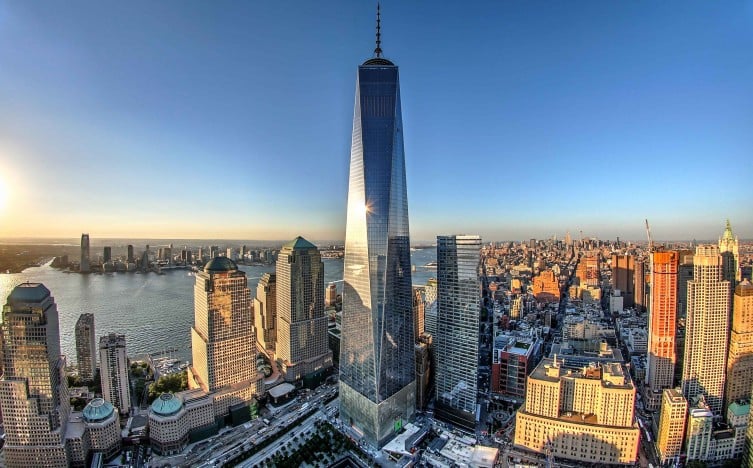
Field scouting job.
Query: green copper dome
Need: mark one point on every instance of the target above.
(98, 410)
(220, 264)
(167, 404)
(28, 293)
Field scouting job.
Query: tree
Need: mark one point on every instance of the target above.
(170, 383)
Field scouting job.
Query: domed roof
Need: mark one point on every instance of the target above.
(299, 243)
(219, 264)
(28, 293)
(98, 410)
(167, 404)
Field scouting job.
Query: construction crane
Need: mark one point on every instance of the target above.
(650, 240)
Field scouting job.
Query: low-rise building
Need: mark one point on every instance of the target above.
(173, 417)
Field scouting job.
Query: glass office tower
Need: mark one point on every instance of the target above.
(377, 379)
(456, 341)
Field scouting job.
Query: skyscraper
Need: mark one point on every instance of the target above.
(456, 343)
(33, 391)
(222, 338)
(301, 324)
(107, 254)
(623, 277)
(265, 311)
(113, 371)
(377, 376)
(729, 248)
(419, 308)
(86, 347)
(674, 409)
(740, 357)
(639, 285)
(85, 266)
(129, 256)
(706, 327)
(662, 325)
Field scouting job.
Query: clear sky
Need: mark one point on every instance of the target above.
(233, 119)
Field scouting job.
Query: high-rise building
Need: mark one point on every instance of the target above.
(330, 296)
(377, 368)
(113, 371)
(706, 328)
(85, 267)
(700, 427)
(423, 370)
(430, 307)
(301, 346)
(729, 247)
(107, 254)
(748, 453)
(588, 271)
(740, 357)
(419, 311)
(639, 286)
(584, 414)
(674, 408)
(86, 347)
(457, 340)
(33, 392)
(222, 338)
(684, 274)
(662, 328)
(265, 311)
(623, 277)
(546, 287)
(129, 255)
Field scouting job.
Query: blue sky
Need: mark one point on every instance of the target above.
(233, 119)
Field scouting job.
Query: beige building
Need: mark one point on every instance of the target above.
(740, 357)
(706, 326)
(113, 362)
(265, 312)
(33, 392)
(330, 298)
(586, 415)
(222, 338)
(302, 348)
(674, 409)
(172, 418)
(729, 247)
(700, 426)
(103, 427)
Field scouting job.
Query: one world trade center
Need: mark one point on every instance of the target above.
(377, 380)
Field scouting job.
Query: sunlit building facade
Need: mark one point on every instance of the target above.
(302, 349)
(33, 391)
(377, 369)
(265, 312)
(86, 347)
(707, 322)
(674, 408)
(113, 362)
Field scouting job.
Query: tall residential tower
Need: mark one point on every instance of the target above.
(86, 347)
(113, 362)
(377, 378)
(85, 266)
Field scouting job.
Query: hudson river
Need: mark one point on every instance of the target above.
(155, 312)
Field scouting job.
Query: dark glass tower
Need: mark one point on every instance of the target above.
(377, 379)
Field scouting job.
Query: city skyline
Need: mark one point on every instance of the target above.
(124, 130)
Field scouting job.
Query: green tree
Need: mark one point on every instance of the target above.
(170, 383)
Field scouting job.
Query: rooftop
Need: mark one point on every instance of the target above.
(739, 409)
(28, 292)
(220, 264)
(167, 404)
(299, 243)
(98, 410)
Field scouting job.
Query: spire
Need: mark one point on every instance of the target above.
(728, 232)
(378, 49)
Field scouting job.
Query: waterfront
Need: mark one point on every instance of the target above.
(155, 312)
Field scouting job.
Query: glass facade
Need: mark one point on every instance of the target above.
(456, 343)
(377, 376)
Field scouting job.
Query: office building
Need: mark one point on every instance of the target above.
(674, 408)
(738, 418)
(265, 312)
(700, 426)
(706, 326)
(457, 339)
(377, 368)
(739, 377)
(107, 255)
(301, 347)
(584, 414)
(419, 311)
(660, 365)
(33, 392)
(85, 266)
(423, 370)
(86, 347)
(729, 248)
(546, 287)
(113, 363)
(330, 297)
(684, 274)
(430, 307)
(222, 338)
(102, 424)
(623, 277)
(129, 254)
(588, 271)
(514, 356)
